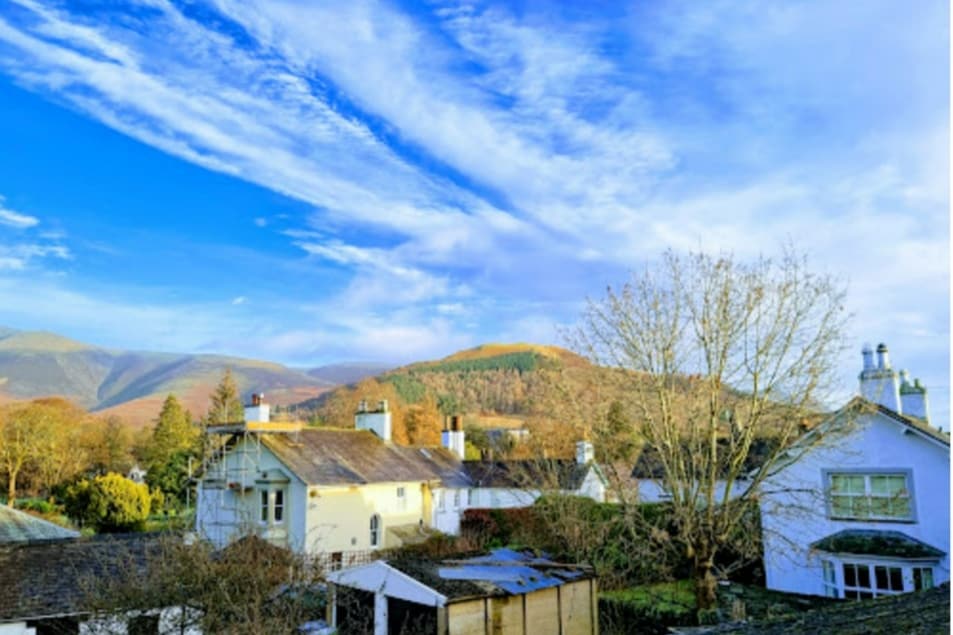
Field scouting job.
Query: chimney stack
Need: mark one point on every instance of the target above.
(585, 453)
(258, 411)
(879, 383)
(913, 398)
(377, 421)
(453, 437)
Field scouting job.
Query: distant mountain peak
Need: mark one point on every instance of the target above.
(39, 342)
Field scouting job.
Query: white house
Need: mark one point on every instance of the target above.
(648, 474)
(492, 484)
(342, 493)
(320, 491)
(862, 508)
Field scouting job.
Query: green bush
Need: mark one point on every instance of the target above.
(647, 609)
(110, 503)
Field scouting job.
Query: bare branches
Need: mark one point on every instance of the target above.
(721, 356)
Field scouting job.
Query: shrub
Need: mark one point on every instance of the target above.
(111, 503)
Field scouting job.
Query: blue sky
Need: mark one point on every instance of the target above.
(308, 182)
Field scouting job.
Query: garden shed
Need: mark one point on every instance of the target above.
(505, 591)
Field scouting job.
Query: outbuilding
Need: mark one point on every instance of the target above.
(505, 591)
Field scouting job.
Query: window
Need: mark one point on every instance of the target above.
(279, 508)
(401, 498)
(456, 499)
(830, 581)
(870, 496)
(863, 581)
(272, 506)
(375, 530)
(442, 501)
(922, 578)
(469, 498)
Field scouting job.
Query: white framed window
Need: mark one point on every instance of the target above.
(456, 499)
(863, 581)
(264, 506)
(469, 498)
(272, 506)
(830, 579)
(922, 578)
(401, 498)
(278, 509)
(867, 496)
(375, 530)
(442, 501)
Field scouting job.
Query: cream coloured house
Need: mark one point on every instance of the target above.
(342, 493)
(337, 493)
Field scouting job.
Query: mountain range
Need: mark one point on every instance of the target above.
(132, 384)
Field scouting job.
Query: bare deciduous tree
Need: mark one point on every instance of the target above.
(718, 355)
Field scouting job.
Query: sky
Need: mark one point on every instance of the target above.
(394, 181)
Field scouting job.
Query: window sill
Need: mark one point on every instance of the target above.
(851, 519)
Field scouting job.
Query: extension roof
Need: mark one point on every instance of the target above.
(357, 457)
(565, 474)
(44, 579)
(649, 464)
(876, 542)
(17, 526)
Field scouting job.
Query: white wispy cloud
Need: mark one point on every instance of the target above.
(11, 218)
(479, 163)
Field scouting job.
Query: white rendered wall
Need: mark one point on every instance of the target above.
(16, 628)
(794, 509)
(652, 491)
(224, 514)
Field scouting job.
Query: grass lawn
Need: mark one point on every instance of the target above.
(668, 597)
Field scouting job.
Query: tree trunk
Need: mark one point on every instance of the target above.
(705, 583)
(11, 489)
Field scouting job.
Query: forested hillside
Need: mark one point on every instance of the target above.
(553, 392)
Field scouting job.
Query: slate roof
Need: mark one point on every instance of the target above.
(649, 466)
(919, 613)
(17, 526)
(501, 572)
(565, 474)
(46, 578)
(325, 456)
(874, 542)
(911, 422)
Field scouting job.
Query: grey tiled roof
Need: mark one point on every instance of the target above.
(563, 474)
(354, 457)
(17, 526)
(49, 578)
(876, 542)
(919, 613)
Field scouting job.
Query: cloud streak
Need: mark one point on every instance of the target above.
(472, 170)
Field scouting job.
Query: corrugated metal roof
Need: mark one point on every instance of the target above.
(501, 572)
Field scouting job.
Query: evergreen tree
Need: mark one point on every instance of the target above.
(174, 440)
(226, 405)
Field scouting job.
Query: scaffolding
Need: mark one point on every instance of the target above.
(228, 474)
